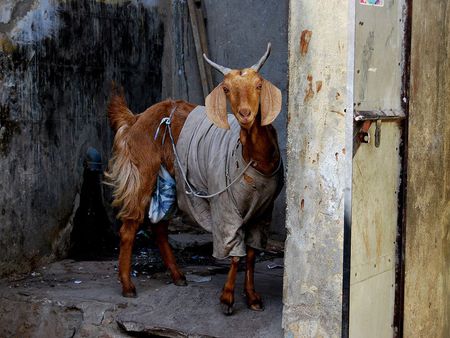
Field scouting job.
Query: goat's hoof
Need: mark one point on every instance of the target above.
(226, 309)
(254, 301)
(129, 293)
(180, 282)
(256, 307)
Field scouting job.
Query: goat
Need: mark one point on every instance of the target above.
(137, 158)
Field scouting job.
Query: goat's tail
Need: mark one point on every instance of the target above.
(122, 173)
(118, 112)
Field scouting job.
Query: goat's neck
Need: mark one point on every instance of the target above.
(260, 145)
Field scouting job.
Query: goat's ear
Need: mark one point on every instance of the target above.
(216, 107)
(270, 103)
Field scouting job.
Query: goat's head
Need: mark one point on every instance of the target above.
(246, 91)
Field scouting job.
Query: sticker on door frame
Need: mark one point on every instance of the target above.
(379, 3)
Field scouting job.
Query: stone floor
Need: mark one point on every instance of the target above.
(82, 299)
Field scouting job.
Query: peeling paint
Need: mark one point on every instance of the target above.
(37, 24)
(6, 9)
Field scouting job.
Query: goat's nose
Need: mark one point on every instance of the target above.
(245, 112)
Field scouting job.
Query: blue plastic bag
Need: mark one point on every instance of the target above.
(164, 198)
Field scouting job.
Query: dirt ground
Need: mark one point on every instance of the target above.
(73, 298)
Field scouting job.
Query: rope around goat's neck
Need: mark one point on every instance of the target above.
(167, 121)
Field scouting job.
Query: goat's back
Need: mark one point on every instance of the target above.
(137, 156)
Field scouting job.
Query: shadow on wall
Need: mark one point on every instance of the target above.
(57, 61)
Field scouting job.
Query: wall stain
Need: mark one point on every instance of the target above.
(305, 38)
(56, 89)
(6, 45)
(368, 50)
(309, 93)
(8, 128)
(318, 86)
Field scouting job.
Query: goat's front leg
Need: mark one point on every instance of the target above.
(127, 235)
(254, 301)
(227, 297)
(167, 255)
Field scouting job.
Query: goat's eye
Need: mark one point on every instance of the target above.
(259, 86)
(226, 90)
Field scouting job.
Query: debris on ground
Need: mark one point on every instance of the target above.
(82, 298)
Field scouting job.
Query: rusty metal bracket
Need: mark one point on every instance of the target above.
(361, 134)
(373, 115)
(363, 121)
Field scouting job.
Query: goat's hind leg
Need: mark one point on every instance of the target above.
(127, 235)
(160, 230)
(254, 301)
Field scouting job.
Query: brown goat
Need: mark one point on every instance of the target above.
(137, 158)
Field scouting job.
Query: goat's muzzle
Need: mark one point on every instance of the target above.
(244, 117)
(245, 112)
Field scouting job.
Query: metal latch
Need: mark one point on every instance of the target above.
(363, 121)
(377, 133)
(364, 136)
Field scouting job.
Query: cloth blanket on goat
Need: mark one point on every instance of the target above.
(211, 158)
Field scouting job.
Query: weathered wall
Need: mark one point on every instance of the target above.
(376, 171)
(181, 78)
(427, 260)
(57, 60)
(378, 56)
(318, 49)
(376, 179)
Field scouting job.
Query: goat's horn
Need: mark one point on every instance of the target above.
(222, 69)
(257, 66)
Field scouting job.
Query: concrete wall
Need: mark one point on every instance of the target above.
(318, 51)
(57, 60)
(427, 260)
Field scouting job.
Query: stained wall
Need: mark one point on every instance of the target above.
(316, 152)
(57, 61)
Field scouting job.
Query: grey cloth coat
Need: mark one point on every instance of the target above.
(211, 158)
